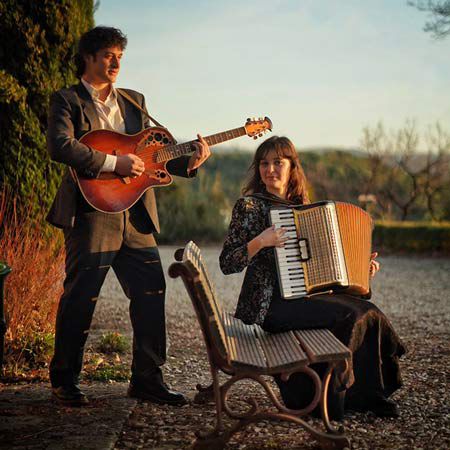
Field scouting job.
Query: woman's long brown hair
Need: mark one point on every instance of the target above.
(297, 191)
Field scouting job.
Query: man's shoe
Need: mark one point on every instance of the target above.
(69, 395)
(156, 393)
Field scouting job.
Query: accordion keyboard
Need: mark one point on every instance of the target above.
(290, 270)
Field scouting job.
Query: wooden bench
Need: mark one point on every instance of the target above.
(247, 352)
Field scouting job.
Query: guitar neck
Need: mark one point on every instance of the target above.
(177, 150)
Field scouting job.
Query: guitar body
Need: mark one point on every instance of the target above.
(111, 193)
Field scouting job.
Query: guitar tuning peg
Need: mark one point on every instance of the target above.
(260, 134)
(255, 137)
(248, 119)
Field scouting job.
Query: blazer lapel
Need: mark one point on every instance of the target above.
(131, 115)
(88, 107)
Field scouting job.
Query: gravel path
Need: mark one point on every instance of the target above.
(413, 293)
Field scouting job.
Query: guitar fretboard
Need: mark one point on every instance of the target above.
(177, 150)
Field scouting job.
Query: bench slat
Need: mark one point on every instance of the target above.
(281, 349)
(241, 338)
(321, 345)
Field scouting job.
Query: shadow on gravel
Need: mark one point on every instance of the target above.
(30, 420)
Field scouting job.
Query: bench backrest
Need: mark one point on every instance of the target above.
(205, 302)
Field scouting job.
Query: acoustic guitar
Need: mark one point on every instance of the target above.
(112, 193)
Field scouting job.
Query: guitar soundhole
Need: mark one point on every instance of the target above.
(160, 174)
(157, 139)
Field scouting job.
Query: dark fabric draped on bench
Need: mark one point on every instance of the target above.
(358, 324)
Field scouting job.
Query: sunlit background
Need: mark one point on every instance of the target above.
(322, 70)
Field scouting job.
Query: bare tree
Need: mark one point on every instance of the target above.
(379, 151)
(405, 192)
(439, 24)
(436, 172)
(402, 176)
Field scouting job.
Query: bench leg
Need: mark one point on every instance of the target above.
(324, 404)
(219, 441)
(218, 437)
(212, 436)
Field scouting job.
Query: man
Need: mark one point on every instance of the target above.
(96, 241)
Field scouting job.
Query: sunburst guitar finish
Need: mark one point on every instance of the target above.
(111, 193)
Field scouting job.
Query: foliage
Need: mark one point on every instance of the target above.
(193, 209)
(231, 166)
(412, 237)
(439, 25)
(33, 288)
(36, 52)
(113, 342)
(35, 350)
(105, 367)
(407, 183)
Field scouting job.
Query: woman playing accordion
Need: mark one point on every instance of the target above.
(276, 177)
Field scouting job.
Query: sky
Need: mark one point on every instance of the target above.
(321, 70)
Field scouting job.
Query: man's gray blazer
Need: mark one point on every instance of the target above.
(72, 114)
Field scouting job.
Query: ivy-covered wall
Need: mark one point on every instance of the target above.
(36, 58)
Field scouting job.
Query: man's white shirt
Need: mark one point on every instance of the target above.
(110, 118)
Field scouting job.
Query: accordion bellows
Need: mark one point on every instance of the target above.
(332, 244)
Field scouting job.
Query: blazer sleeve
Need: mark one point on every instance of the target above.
(61, 142)
(179, 167)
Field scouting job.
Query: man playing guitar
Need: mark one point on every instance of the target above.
(95, 240)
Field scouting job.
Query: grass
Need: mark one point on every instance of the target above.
(113, 342)
(105, 367)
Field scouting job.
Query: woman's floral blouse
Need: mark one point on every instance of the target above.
(250, 218)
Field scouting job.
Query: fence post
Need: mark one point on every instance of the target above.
(4, 270)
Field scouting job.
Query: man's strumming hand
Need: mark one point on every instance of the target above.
(129, 165)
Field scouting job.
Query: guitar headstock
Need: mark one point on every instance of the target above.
(256, 127)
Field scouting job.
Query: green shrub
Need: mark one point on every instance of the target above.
(33, 351)
(412, 237)
(108, 372)
(193, 209)
(113, 342)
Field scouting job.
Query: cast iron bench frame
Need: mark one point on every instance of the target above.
(247, 352)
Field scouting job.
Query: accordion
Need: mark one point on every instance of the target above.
(328, 249)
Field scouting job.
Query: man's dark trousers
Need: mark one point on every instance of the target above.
(125, 242)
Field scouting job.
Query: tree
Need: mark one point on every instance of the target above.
(436, 173)
(36, 53)
(406, 181)
(439, 25)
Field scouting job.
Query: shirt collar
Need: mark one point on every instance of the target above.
(94, 92)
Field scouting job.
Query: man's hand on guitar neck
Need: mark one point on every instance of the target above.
(129, 165)
(201, 154)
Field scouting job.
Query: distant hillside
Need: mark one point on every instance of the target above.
(331, 172)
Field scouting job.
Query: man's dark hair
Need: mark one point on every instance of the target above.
(96, 39)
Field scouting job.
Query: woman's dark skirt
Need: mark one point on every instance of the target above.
(374, 371)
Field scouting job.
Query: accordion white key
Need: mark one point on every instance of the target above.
(328, 249)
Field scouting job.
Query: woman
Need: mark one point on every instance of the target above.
(276, 177)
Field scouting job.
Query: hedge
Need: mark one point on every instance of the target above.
(412, 237)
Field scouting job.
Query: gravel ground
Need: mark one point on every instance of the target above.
(413, 292)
